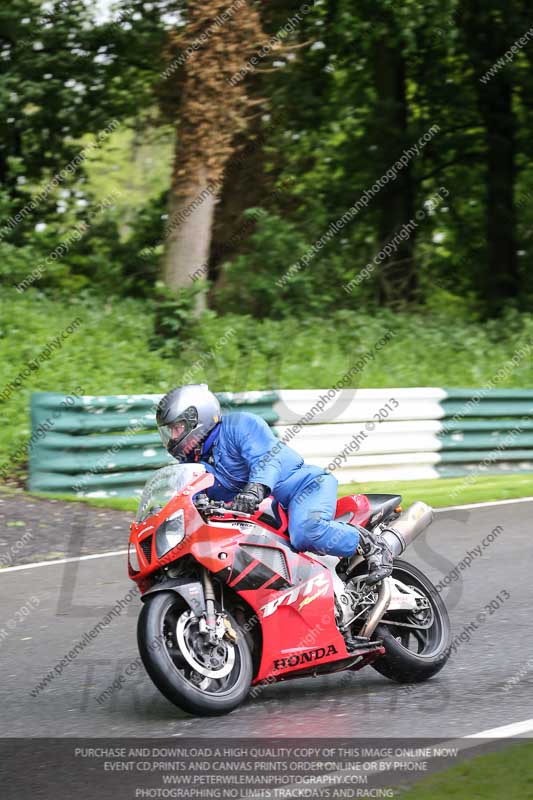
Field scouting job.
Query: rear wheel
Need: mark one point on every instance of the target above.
(199, 677)
(418, 646)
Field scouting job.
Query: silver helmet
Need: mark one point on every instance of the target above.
(185, 416)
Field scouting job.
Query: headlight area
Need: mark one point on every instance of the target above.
(170, 533)
(132, 558)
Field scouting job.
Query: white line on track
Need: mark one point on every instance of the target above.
(460, 744)
(504, 731)
(62, 561)
(470, 741)
(487, 505)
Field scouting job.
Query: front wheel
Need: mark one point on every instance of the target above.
(199, 677)
(418, 645)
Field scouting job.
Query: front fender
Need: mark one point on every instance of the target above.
(191, 591)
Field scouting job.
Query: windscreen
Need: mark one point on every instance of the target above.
(164, 485)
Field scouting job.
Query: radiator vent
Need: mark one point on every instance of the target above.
(270, 556)
(146, 546)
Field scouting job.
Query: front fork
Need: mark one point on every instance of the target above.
(214, 626)
(209, 594)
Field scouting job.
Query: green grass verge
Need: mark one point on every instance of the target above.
(506, 775)
(117, 503)
(452, 491)
(438, 493)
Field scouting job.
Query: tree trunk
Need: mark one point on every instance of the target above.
(246, 185)
(210, 107)
(188, 239)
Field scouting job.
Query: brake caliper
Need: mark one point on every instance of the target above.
(230, 631)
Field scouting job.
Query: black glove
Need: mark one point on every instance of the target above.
(248, 500)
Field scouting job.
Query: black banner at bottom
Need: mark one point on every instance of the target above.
(225, 769)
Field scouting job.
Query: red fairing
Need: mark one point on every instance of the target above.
(290, 594)
(357, 506)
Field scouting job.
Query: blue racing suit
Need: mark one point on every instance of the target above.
(242, 449)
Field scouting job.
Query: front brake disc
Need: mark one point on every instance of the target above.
(185, 638)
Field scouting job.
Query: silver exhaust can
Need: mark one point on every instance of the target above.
(410, 524)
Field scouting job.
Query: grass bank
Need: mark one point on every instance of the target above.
(453, 491)
(506, 775)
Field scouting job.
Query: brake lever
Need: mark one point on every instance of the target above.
(217, 507)
(207, 507)
(228, 507)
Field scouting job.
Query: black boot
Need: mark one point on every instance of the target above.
(378, 555)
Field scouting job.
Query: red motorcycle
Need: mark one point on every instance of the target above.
(229, 604)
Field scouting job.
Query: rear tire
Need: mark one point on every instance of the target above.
(401, 664)
(172, 674)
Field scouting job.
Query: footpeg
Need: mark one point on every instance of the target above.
(357, 644)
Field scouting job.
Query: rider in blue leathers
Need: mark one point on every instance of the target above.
(249, 463)
(242, 450)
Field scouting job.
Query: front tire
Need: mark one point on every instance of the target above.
(403, 663)
(166, 639)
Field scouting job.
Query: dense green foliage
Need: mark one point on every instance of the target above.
(69, 90)
(377, 77)
(355, 85)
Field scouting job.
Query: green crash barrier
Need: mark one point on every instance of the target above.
(487, 408)
(107, 446)
(475, 469)
(487, 441)
(488, 456)
(482, 403)
(489, 426)
(118, 484)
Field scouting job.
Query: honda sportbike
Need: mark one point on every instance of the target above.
(228, 603)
